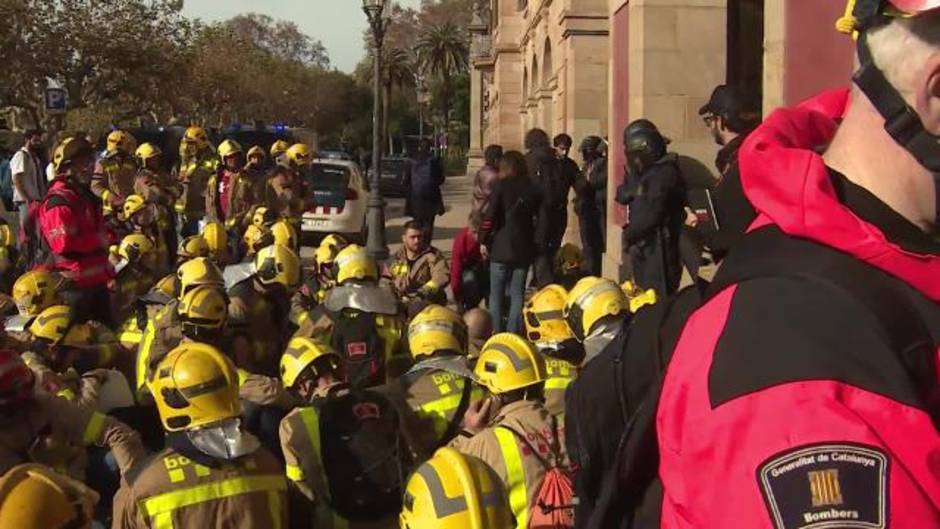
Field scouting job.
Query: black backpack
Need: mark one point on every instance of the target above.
(362, 454)
(630, 492)
(356, 339)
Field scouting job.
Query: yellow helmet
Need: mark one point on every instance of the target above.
(253, 234)
(7, 237)
(229, 148)
(455, 491)
(544, 316)
(591, 300)
(146, 152)
(216, 238)
(278, 264)
(353, 262)
(69, 150)
(278, 148)
(284, 234)
(300, 154)
(34, 291)
(169, 285)
(638, 297)
(122, 141)
(300, 354)
(133, 204)
(195, 386)
(261, 216)
(434, 329)
(569, 259)
(136, 247)
(33, 496)
(204, 306)
(196, 136)
(54, 325)
(255, 151)
(197, 272)
(192, 247)
(508, 362)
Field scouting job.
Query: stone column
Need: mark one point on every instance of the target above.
(475, 154)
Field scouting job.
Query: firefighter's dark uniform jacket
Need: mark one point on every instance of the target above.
(263, 320)
(423, 278)
(785, 404)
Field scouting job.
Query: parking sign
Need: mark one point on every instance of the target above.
(56, 100)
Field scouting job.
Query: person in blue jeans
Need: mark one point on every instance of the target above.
(508, 235)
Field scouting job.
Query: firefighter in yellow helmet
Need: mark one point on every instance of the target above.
(317, 280)
(341, 497)
(158, 188)
(597, 311)
(34, 496)
(197, 164)
(438, 388)
(279, 152)
(229, 194)
(10, 263)
(136, 272)
(163, 331)
(260, 305)
(257, 174)
(361, 320)
(142, 218)
(33, 292)
(569, 266)
(419, 270)
(299, 155)
(42, 428)
(192, 247)
(114, 176)
(511, 430)
(217, 239)
(212, 473)
(548, 330)
(145, 308)
(455, 491)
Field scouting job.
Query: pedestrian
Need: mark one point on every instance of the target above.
(548, 174)
(729, 116)
(837, 292)
(425, 201)
(6, 180)
(486, 178)
(508, 235)
(657, 201)
(29, 182)
(73, 226)
(469, 274)
(591, 205)
(479, 329)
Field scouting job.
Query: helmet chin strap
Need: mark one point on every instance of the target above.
(901, 121)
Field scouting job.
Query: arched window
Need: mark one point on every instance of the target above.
(525, 83)
(548, 67)
(536, 79)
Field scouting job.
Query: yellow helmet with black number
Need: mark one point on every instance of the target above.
(196, 136)
(300, 354)
(569, 260)
(192, 247)
(34, 291)
(508, 362)
(133, 204)
(434, 329)
(284, 234)
(33, 496)
(278, 264)
(300, 154)
(7, 237)
(195, 386)
(137, 248)
(216, 238)
(119, 140)
(255, 152)
(197, 272)
(354, 263)
(591, 300)
(229, 148)
(146, 152)
(278, 148)
(455, 491)
(204, 306)
(544, 316)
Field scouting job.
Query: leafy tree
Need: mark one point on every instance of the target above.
(443, 51)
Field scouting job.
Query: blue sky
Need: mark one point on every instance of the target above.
(336, 23)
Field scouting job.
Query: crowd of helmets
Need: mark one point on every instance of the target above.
(224, 338)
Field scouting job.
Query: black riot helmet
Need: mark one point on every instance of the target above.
(643, 147)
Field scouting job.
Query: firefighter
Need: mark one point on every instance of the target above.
(35, 290)
(419, 270)
(157, 187)
(597, 312)
(197, 164)
(361, 320)
(142, 218)
(475, 497)
(284, 193)
(115, 173)
(192, 247)
(228, 195)
(39, 427)
(511, 430)
(260, 305)
(212, 473)
(569, 266)
(279, 152)
(136, 273)
(317, 281)
(217, 240)
(145, 308)
(34, 496)
(438, 388)
(256, 173)
(10, 263)
(547, 329)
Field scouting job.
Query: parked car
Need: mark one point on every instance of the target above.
(331, 154)
(395, 177)
(337, 200)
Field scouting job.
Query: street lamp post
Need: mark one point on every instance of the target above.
(376, 244)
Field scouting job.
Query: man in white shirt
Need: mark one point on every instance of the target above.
(29, 183)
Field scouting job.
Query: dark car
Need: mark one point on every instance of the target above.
(395, 176)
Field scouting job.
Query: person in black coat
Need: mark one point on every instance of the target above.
(508, 235)
(553, 179)
(425, 200)
(591, 205)
(657, 200)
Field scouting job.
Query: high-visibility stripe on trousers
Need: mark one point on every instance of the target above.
(294, 473)
(515, 473)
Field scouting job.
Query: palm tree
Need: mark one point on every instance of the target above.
(397, 66)
(443, 50)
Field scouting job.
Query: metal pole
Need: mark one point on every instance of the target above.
(376, 245)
